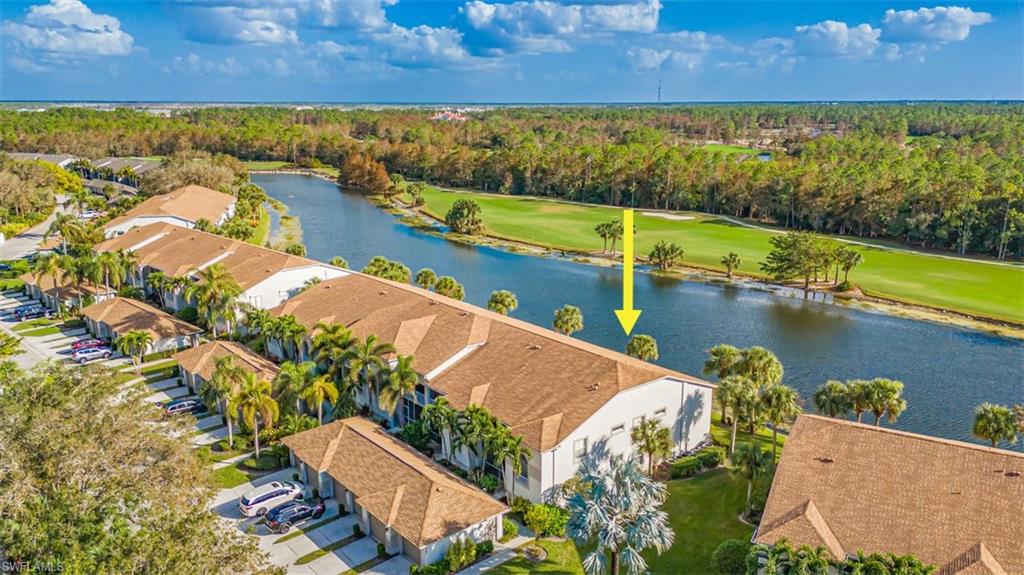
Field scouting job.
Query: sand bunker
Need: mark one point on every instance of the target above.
(675, 217)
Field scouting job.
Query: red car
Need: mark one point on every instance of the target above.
(87, 343)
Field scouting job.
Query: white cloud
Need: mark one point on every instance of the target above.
(535, 26)
(239, 24)
(273, 66)
(836, 39)
(683, 50)
(332, 49)
(421, 47)
(199, 66)
(648, 58)
(64, 29)
(347, 14)
(939, 24)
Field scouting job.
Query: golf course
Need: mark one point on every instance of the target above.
(975, 287)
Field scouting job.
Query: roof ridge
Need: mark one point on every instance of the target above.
(912, 435)
(975, 554)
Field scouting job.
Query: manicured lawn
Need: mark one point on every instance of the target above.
(271, 165)
(228, 477)
(973, 287)
(262, 232)
(562, 559)
(721, 434)
(39, 332)
(33, 324)
(703, 512)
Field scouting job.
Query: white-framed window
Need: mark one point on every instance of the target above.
(256, 301)
(524, 469)
(579, 450)
(618, 429)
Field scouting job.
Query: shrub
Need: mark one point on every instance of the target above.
(730, 557)
(461, 552)
(686, 467)
(521, 505)
(844, 286)
(712, 456)
(439, 568)
(189, 314)
(489, 483)
(509, 529)
(484, 548)
(547, 520)
(415, 434)
(265, 462)
(357, 530)
(242, 443)
(381, 550)
(295, 476)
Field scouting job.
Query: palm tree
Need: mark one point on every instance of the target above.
(440, 417)
(642, 346)
(886, 399)
(568, 319)
(604, 230)
(212, 289)
(79, 271)
(473, 427)
(994, 423)
(722, 362)
(319, 390)
(134, 344)
(512, 450)
(259, 322)
(292, 380)
(737, 392)
(810, 560)
(761, 366)
(832, 399)
(503, 302)
(159, 283)
(448, 287)
(618, 515)
(781, 405)
(47, 265)
(365, 360)
(256, 403)
(426, 278)
(731, 262)
(849, 258)
(111, 266)
(329, 346)
(860, 396)
(339, 262)
(752, 462)
(666, 254)
(615, 231)
(68, 227)
(653, 439)
(222, 388)
(288, 331)
(400, 381)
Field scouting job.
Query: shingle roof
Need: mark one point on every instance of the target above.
(175, 251)
(190, 203)
(126, 314)
(60, 287)
(201, 359)
(541, 384)
(138, 165)
(855, 487)
(419, 499)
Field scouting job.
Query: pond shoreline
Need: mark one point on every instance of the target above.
(430, 224)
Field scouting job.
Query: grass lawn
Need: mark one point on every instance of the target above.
(271, 165)
(41, 331)
(228, 477)
(262, 232)
(33, 324)
(562, 559)
(732, 149)
(973, 287)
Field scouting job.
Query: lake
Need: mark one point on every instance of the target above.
(947, 371)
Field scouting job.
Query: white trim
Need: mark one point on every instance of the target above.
(452, 360)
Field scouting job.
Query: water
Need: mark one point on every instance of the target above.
(947, 371)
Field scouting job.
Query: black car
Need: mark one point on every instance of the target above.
(32, 312)
(281, 518)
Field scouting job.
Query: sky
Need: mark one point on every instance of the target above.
(522, 51)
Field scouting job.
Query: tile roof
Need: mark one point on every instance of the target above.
(541, 384)
(176, 251)
(854, 487)
(201, 359)
(65, 287)
(190, 203)
(419, 499)
(126, 314)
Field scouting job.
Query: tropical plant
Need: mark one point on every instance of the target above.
(994, 423)
(568, 319)
(473, 427)
(259, 323)
(365, 360)
(339, 262)
(399, 381)
(330, 343)
(9, 345)
(666, 254)
(464, 217)
(289, 332)
(618, 516)
(730, 557)
(503, 302)
(159, 283)
(722, 362)
(653, 439)
(731, 261)
(739, 393)
(439, 416)
(68, 227)
(752, 463)
(604, 230)
(256, 403)
(317, 392)
(134, 344)
(111, 267)
(47, 265)
(222, 388)
(832, 399)
(849, 258)
(426, 278)
(511, 450)
(860, 396)
(384, 268)
(885, 398)
(642, 346)
(214, 291)
(761, 366)
(781, 406)
(292, 381)
(448, 287)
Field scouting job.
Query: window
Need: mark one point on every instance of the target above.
(524, 468)
(256, 301)
(618, 429)
(659, 414)
(579, 450)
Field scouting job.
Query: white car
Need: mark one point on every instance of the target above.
(258, 501)
(90, 354)
(89, 214)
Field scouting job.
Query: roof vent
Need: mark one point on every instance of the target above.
(463, 313)
(593, 387)
(1012, 474)
(382, 292)
(533, 347)
(825, 459)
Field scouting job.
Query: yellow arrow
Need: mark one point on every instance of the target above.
(627, 315)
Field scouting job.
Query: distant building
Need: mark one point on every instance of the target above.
(62, 160)
(852, 488)
(448, 116)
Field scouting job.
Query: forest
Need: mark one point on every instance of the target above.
(942, 176)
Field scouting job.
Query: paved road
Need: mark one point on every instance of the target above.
(27, 241)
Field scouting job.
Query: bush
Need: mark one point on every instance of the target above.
(712, 456)
(484, 548)
(461, 552)
(686, 467)
(509, 529)
(357, 530)
(730, 557)
(439, 568)
(844, 286)
(489, 483)
(242, 443)
(265, 462)
(381, 550)
(547, 520)
(189, 314)
(521, 505)
(415, 434)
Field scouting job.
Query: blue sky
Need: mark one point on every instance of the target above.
(498, 51)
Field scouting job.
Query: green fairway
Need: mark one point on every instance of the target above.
(271, 165)
(972, 287)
